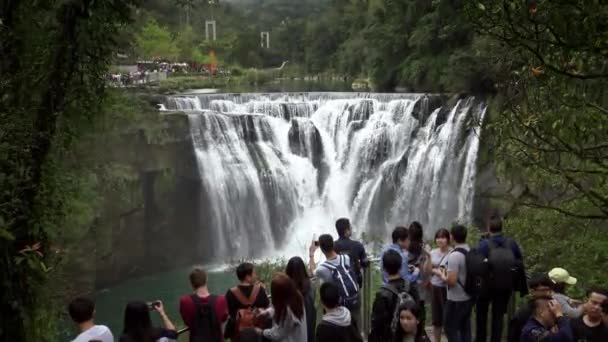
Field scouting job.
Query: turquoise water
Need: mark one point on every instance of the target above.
(168, 287)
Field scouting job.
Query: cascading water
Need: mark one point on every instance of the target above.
(277, 168)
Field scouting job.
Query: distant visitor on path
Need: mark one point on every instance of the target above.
(439, 260)
(82, 312)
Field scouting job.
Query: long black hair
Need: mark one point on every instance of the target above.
(137, 324)
(296, 270)
(414, 308)
(416, 236)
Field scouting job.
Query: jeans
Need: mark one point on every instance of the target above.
(499, 301)
(457, 320)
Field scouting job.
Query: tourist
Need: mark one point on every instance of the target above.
(419, 259)
(540, 286)
(547, 324)
(410, 327)
(459, 305)
(336, 268)
(590, 327)
(562, 280)
(399, 245)
(202, 312)
(138, 325)
(384, 318)
(248, 295)
(354, 249)
(82, 312)
(439, 259)
(296, 270)
(336, 324)
(287, 312)
(504, 258)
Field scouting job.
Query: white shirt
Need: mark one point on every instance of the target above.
(95, 333)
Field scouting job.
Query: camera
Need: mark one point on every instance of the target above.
(317, 243)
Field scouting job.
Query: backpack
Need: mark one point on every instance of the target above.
(502, 265)
(477, 272)
(246, 318)
(344, 277)
(355, 263)
(402, 298)
(206, 326)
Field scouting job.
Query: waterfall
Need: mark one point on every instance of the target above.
(277, 168)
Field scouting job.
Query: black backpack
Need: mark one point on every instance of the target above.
(206, 327)
(401, 298)
(477, 272)
(502, 265)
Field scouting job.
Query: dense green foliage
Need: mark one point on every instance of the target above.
(52, 79)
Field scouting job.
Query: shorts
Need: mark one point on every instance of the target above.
(439, 296)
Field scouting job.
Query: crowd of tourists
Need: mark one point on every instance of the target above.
(453, 278)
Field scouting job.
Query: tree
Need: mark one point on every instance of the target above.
(52, 81)
(154, 41)
(552, 127)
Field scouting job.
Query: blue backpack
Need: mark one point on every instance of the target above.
(344, 277)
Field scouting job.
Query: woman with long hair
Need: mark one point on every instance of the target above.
(419, 258)
(138, 326)
(410, 328)
(296, 270)
(439, 260)
(287, 312)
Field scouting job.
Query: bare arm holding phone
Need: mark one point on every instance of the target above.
(158, 306)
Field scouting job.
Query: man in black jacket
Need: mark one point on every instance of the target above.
(540, 286)
(386, 300)
(336, 324)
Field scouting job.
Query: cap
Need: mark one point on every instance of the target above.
(560, 275)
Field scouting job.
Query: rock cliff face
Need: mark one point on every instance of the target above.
(146, 225)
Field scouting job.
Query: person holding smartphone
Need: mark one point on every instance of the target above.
(138, 325)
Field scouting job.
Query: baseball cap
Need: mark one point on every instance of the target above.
(560, 275)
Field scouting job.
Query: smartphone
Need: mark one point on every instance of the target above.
(153, 305)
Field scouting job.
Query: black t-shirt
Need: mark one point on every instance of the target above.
(583, 333)
(261, 301)
(355, 251)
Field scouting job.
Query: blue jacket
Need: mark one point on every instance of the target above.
(499, 239)
(404, 271)
(536, 332)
